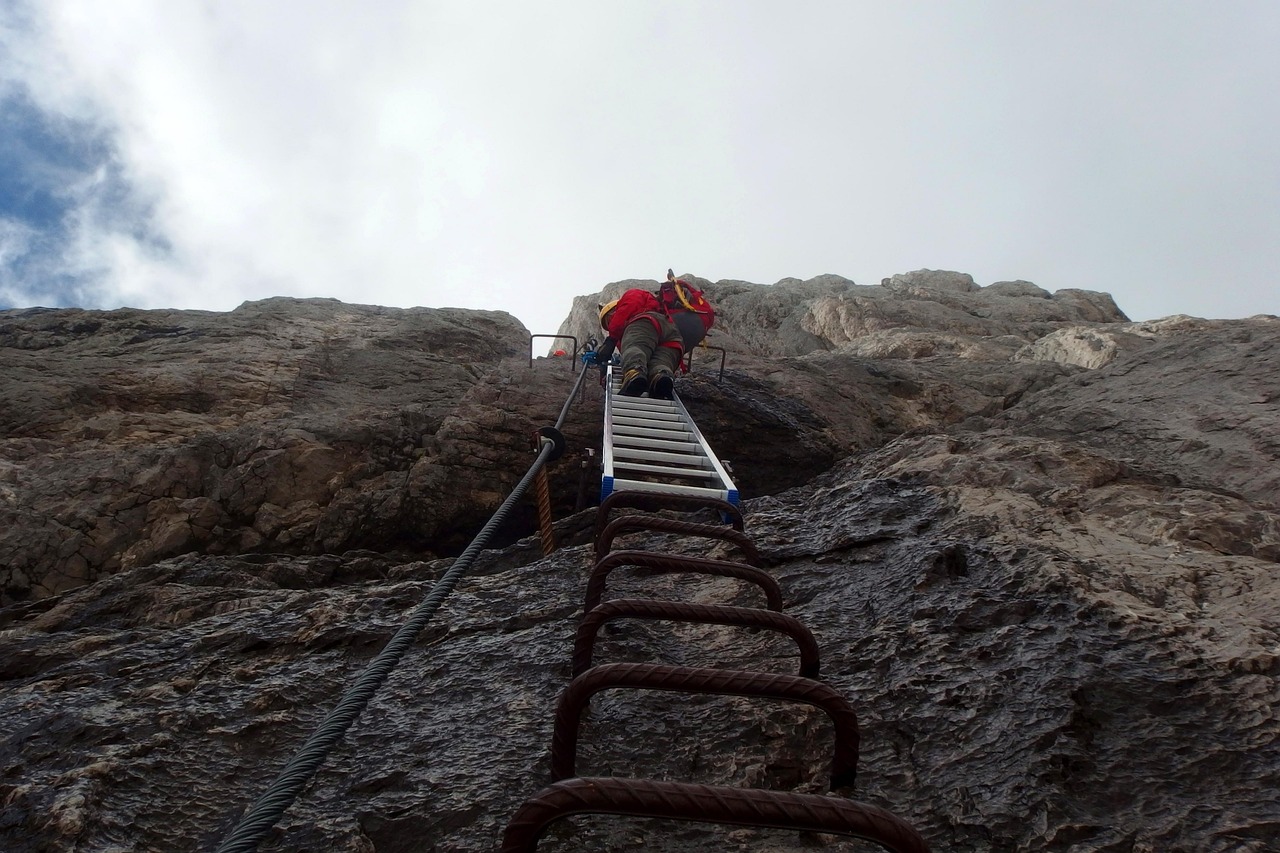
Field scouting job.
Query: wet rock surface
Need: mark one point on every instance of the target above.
(1048, 590)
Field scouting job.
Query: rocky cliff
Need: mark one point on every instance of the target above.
(1038, 545)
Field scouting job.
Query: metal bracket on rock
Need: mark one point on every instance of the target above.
(552, 435)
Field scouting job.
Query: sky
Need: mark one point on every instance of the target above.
(511, 155)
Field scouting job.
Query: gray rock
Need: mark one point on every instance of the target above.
(1048, 589)
(1018, 288)
(288, 425)
(925, 280)
(828, 312)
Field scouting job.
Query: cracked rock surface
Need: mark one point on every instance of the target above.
(1048, 589)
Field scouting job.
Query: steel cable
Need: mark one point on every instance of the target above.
(271, 806)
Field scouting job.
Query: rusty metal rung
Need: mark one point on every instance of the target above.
(679, 611)
(668, 564)
(691, 679)
(666, 500)
(657, 523)
(708, 804)
(675, 800)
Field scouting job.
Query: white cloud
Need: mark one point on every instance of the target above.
(512, 155)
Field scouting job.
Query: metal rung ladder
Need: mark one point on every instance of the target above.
(657, 440)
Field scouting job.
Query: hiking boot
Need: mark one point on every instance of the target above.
(663, 387)
(634, 383)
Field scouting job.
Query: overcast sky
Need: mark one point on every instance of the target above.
(511, 155)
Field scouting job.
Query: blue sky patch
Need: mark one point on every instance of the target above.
(44, 158)
(58, 177)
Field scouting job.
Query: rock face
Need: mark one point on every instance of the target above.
(1038, 547)
(926, 312)
(303, 426)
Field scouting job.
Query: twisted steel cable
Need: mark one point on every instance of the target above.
(568, 401)
(271, 806)
(709, 804)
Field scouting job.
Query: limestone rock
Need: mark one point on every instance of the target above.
(827, 312)
(922, 281)
(1049, 589)
(286, 425)
(1078, 346)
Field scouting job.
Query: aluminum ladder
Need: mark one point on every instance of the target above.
(658, 441)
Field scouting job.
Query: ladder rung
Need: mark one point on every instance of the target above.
(621, 441)
(647, 414)
(666, 470)
(695, 459)
(643, 420)
(674, 488)
(650, 433)
(643, 403)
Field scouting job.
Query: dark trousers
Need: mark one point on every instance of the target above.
(642, 345)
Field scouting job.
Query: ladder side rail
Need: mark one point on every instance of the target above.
(725, 479)
(606, 455)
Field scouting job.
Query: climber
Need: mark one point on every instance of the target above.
(650, 343)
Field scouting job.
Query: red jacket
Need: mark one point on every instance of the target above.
(637, 305)
(632, 304)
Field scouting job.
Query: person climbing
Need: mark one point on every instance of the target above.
(650, 342)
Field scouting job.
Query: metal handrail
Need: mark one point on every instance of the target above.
(688, 361)
(570, 337)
